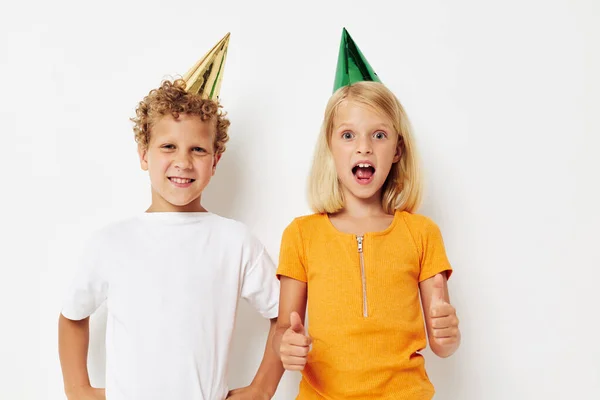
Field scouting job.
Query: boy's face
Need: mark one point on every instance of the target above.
(180, 160)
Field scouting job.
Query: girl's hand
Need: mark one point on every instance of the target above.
(295, 345)
(444, 322)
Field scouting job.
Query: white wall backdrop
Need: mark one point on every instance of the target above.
(503, 97)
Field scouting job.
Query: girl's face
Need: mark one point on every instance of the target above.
(364, 145)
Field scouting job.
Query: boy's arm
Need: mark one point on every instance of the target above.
(73, 341)
(267, 377)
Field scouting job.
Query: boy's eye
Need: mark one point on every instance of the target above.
(347, 135)
(379, 135)
(167, 146)
(199, 150)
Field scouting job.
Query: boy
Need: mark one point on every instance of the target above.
(173, 275)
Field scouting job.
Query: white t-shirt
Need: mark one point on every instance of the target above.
(172, 283)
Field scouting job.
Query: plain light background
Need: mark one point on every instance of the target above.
(503, 96)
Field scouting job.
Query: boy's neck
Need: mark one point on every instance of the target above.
(161, 205)
(152, 209)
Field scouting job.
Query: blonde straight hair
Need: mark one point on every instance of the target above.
(402, 189)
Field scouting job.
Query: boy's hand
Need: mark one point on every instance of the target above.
(295, 345)
(444, 321)
(248, 393)
(85, 393)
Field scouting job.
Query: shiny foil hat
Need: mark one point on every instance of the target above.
(204, 78)
(352, 65)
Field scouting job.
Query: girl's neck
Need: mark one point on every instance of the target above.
(362, 208)
(360, 216)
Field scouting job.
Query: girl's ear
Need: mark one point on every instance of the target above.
(399, 149)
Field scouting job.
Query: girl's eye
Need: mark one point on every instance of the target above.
(168, 146)
(347, 135)
(379, 135)
(199, 150)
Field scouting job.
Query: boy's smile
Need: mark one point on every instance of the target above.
(181, 182)
(180, 160)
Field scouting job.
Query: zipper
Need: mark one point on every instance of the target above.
(359, 240)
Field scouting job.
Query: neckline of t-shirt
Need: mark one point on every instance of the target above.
(385, 231)
(175, 217)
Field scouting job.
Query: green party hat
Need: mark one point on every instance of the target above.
(352, 65)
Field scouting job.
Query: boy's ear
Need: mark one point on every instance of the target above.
(143, 154)
(215, 162)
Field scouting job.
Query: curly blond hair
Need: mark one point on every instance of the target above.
(171, 98)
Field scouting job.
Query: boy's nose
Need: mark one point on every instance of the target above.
(182, 162)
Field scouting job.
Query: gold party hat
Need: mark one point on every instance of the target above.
(204, 78)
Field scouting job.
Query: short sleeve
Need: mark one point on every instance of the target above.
(291, 255)
(433, 257)
(89, 287)
(260, 287)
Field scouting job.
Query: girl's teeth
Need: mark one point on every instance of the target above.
(178, 180)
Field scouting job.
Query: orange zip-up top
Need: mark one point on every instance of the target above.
(364, 310)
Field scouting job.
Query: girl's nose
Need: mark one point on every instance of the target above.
(363, 145)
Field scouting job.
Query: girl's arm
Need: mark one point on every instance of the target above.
(290, 341)
(440, 316)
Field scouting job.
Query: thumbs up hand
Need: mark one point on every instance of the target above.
(444, 321)
(295, 345)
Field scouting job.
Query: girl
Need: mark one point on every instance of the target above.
(364, 261)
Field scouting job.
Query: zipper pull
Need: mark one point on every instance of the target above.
(360, 243)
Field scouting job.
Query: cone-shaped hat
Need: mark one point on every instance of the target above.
(204, 78)
(352, 65)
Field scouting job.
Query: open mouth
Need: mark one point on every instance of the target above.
(181, 181)
(363, 172)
